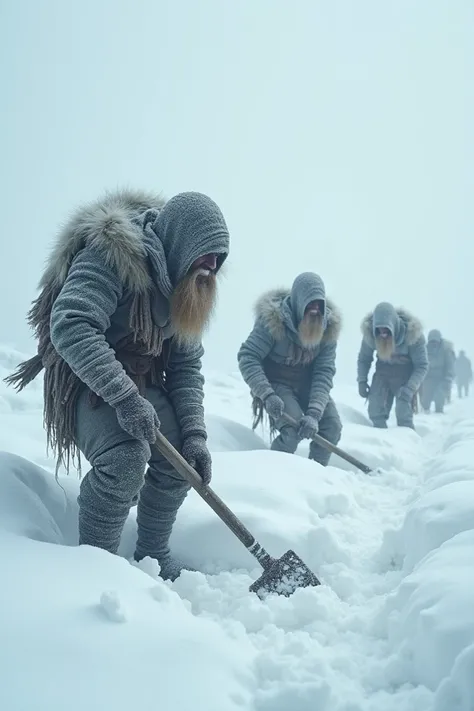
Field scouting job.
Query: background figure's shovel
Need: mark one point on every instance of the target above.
(331, 447)
(281, 575)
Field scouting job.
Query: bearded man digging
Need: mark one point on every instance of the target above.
(126, 295)
(401, 365)
(289, 362)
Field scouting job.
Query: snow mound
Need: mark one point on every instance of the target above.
(430, 617)
(33, 505)
(435, 518)
(130, 639)
(352, 415)
(69, 601)
(389, 629)
(225, 435)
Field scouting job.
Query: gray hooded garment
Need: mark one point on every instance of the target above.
(110, 252)
(410, 343)
(441, 358)
(275, 338)
(463, 368)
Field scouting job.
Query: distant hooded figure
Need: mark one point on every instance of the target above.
(440, 372)
(450, 378)
(397, 338)
(289, 362)
(128, 291)
(463, 374)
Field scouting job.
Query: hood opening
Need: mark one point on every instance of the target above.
(385, 316)
(190, 226)
(307, 287)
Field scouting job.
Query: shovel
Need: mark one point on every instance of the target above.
(281, 575)
(331, 447)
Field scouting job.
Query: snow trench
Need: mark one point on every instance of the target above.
(390, 628)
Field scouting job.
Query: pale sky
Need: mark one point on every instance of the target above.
(336, 137)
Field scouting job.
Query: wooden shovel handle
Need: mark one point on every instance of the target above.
(331, 447)
(178, 462)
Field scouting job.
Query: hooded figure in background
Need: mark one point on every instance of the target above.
(463, 374)
(128, 291)
(289, 362)
(401, 366)
(440, 372)
(450, 378)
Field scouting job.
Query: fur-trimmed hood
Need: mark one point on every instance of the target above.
(268, 309)
(447, 346)
(133, 228)
(109, 224)
(410, 334)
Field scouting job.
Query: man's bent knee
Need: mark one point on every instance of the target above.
(331, 430)
(287, 440)
(121, 469)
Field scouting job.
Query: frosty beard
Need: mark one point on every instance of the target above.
(192, 305)
(311, 330)
(384, 347)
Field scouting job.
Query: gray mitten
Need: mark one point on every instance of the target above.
(137, 416)
(364, 390)
(274, 405)
(308, 427)
(197, 455)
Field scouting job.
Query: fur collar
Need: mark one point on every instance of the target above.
(268, 310)
(107, 224)
(414, 327)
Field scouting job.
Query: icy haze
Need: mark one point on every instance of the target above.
(335, 136)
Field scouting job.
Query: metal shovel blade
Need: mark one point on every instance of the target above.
(283, 576)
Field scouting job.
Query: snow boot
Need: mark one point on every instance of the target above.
(171, 568)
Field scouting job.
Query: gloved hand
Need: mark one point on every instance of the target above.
(308, 427)
(197, 455)
(138, 417)
(274, 405)
(364, 389)
(405, 393)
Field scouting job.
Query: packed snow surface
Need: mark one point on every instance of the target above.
(390, 628)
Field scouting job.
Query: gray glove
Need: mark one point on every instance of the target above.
(364, 389)
(137, 416)
(197, 455)
(308, 427)
(274, 405)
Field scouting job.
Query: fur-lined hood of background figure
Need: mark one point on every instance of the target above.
(439, 341)
(408, 330)
(107, 223)
(268, 310)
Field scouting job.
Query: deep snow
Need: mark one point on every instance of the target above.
(391, 626)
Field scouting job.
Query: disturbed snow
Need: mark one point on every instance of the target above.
(390, 628)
